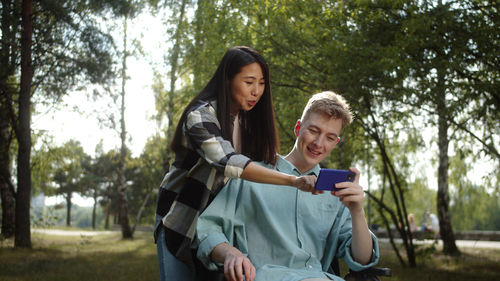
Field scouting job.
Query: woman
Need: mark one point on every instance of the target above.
(230, 122)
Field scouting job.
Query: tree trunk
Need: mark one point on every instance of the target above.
(22, 231)
(94, 209)
(7, 192)
(446, 231)
(8, 52)
(106, 221)
(122, 185)
(8, 207)
(174, 62)
(68, 209)
(141, 209)
(399, 216)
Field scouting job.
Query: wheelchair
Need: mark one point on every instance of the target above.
(370, 274)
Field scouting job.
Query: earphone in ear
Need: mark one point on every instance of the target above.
(297, 128)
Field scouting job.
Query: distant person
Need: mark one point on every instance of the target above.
(226, 126)
(432, 224)
(411, 223)
(269, 232)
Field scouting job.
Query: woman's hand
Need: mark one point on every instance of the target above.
(257, 173)
(307, 183)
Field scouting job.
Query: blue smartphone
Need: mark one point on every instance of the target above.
(329, 177)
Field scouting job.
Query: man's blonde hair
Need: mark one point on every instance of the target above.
(331, 104)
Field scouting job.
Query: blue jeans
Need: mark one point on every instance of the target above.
(171, 269)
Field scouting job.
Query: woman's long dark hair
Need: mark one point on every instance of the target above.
(258, 132)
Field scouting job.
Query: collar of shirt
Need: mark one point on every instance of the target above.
(213, 103)
(288, 168)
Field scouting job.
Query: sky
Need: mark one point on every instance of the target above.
(65, 123)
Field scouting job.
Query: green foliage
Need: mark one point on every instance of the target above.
(55, 216)
(82, 217)
(67, 168)
(145, 179)
(473, 206)
(165, 115)
(420, 199)
(42, 158)
(101, 177)
(451, 48)
(45, 217)
(70, 49)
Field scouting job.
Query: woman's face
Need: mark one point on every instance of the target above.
(246, 88)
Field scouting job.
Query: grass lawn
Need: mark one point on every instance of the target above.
(107, 257)
(474, 264)
(75, 258)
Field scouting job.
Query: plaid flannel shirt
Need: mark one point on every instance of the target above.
(195, 177)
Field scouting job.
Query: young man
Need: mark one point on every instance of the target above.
(270, 232)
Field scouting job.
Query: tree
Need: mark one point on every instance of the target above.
(144, 174)
(472, 205)
(173, 62)
(8, 57)
(454, 74)
(68, 173)
(92, 182)
(131, 9)
(23, 132)
(106, 167)
(68, 49)
(98, 177)
(167, 97)
(122, 184)
(7, 191)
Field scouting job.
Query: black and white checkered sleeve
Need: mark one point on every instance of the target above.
(203, 130)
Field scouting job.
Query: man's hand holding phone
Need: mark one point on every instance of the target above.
(328, 178)
(343, 184)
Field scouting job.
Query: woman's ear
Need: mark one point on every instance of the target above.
(297, 128)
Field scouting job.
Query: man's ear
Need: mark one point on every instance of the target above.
(297, 128)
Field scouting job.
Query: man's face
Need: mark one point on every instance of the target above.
(316, 137)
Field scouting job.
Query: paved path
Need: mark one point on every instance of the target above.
(62, 232)
(460, 243)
